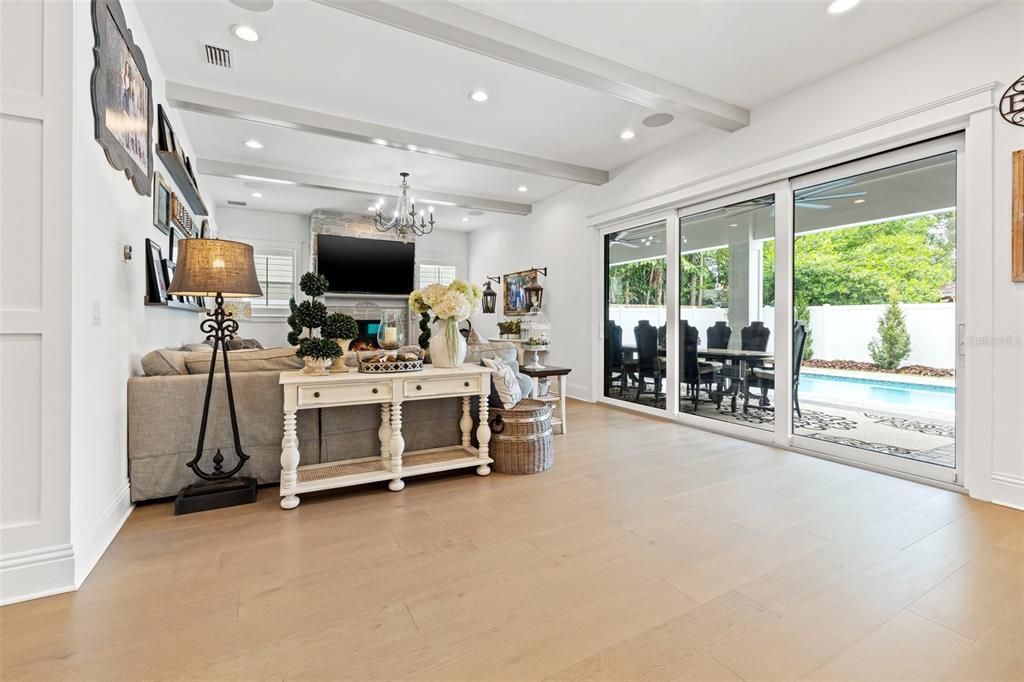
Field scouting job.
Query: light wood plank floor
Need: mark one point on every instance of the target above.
(650, 551)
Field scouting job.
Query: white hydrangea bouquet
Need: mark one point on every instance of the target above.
(449, 305)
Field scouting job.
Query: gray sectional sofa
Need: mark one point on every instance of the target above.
(165, 406)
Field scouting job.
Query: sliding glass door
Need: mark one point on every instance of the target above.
(726, 312)
(874, 294)
(635, 330)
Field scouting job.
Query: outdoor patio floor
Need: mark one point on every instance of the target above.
(925, 439)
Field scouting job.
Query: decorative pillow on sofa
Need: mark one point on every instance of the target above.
(504, 382)
(280, 359)
(164, 362)
(244, 344)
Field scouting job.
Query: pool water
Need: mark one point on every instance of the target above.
(895, 394)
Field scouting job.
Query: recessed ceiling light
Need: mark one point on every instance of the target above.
(734, 225)
(627, 134)
(479, 96)
(859, 201)
(246, 33)
(412, 147)
(840, 6)
(378, 140)
(465, 219)
(523, 188)
(257, 195)
(253, 144)
(658, 120)
(371, 209)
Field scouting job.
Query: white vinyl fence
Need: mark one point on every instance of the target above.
(840, 332)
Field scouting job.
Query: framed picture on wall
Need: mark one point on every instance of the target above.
(161, 203)
(173, 237)
(515, 300)
(122, 98)
(156, 286)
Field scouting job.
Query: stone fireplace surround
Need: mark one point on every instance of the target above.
(365, 309)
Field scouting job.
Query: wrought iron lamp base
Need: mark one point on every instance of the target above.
(227, 492)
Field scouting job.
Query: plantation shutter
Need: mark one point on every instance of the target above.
(276, 275)
(436, 274)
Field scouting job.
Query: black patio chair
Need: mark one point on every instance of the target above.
(694, 372)
(648, 360)
(719, 335)
(765, 377)
(613, 360)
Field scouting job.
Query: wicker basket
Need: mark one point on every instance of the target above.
(521, 438)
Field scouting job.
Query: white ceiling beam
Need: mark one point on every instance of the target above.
(277, 176)
(461, 27)
(215, 103)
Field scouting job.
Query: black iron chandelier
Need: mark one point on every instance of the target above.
(403, 220)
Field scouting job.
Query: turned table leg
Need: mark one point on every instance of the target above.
(466, 423)
(384, 432)
(289, 461)
(561, 402)
(483, 436)
(396, 446)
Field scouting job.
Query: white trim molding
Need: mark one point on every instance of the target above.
(94, 543)
(36, 573)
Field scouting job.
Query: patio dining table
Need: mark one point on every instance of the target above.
(734, 356)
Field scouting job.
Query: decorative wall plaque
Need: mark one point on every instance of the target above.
(1012, 104)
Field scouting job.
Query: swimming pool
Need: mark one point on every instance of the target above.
(895, 394)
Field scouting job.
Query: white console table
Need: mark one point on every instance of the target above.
(302, 391)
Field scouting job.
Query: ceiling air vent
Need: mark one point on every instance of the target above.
(237, 203)
(217, 56)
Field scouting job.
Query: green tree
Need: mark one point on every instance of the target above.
(803, 314)
(893, 345)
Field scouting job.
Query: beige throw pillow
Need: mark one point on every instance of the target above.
(505, 382)
(280, 359)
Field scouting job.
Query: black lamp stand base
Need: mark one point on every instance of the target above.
(227, 492)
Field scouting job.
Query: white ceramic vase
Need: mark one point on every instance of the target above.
(447, 346)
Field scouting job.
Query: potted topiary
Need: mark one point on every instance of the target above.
(310, 315)
(342, 329)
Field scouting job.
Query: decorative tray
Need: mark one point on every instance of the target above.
(392, 367)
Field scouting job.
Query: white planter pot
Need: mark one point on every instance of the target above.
(338, 366)
(316, 366)
(447, 347)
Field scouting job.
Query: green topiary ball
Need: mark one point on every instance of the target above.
(339, 326)
(313, 284)
(310, 314)
(318, 347)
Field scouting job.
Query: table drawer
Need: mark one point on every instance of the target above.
(361, 392)
(468, 385)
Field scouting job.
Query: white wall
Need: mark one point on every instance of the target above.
(266, 229)
(555, 236)
(808, 129)
(36, 557)
(108, 214)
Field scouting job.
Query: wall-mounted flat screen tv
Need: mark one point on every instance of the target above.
(366, 266)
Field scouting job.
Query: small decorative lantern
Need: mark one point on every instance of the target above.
(490, 297)
(534, 291)
(390, 335)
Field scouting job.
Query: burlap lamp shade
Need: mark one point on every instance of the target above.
(207, 267)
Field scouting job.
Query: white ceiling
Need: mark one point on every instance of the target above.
(322, 59)
(744, 52)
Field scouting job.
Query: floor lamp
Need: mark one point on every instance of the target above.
(219, 269)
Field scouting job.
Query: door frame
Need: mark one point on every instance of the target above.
(912, 152)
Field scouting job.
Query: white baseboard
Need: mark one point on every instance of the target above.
(62, 568)
(578, 392)
(36, 573)
(1006, 489)
(94, 543)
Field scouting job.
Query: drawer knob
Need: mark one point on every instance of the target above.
(418, 387)
(466, 384)
(376, 390)
(316, 394)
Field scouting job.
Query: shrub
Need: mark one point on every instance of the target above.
(339, 326)
(893, 345)
(803, 314)
(318, 347)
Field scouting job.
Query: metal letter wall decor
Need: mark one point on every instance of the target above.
(1012, 104)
